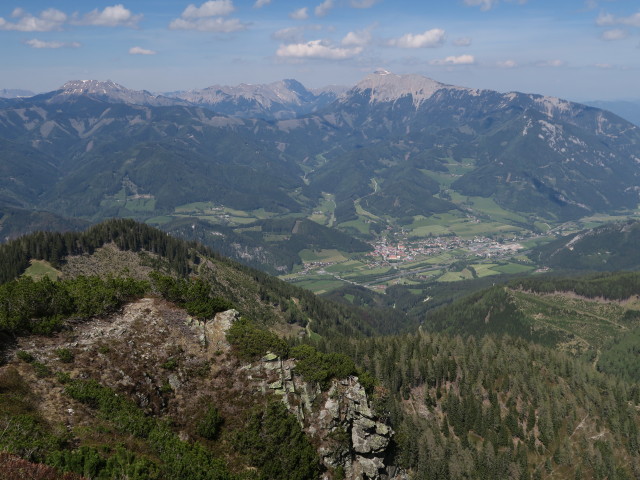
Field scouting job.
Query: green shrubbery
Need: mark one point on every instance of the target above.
(178, 459)
(251, 342)
(320, 367)
(65, 355)
(210, 423)
(274, 442)
(28, 306)
(192, 294)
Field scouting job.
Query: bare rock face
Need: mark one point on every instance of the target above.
(212, 334)
(340, 420)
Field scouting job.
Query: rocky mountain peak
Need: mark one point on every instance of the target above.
(385, 86)
(111, 92)
(84, 87)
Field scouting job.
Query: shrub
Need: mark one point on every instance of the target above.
(209, 425)
(41, 369)
(25, 356)
(170, 364)
(65, 355)
(274, 442)
(251, 342)
(319, 367)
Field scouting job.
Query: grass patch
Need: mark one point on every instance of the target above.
(360, 225)
(456, 276)
(141, 205)
(40, 269)
(485, 269)
(320, 284)
(329, 256)
(513, 268)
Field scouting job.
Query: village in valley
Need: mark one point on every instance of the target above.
(403, 251)
(397, 258)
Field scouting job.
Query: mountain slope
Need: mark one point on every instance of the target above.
(610, 247)
(531, 154)
(139, 377)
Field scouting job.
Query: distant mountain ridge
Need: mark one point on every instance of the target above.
(278, 100)
(107, 91)
(15, 93)
(394, 146)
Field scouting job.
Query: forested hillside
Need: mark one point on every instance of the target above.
(535, 379)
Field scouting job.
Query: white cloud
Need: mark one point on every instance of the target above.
(605, 66)
(213, 8)
(300, 14)
(317, 49)
(614, 34)
(486, 5)
(462, 42)
(141, 51)
(215, 24)
(483, 4)
(114, 16)
(48, 20)
(363, 3)
(357, 39)
(507, 64)
(551, 63)
(430, 38)
(608, 20)
(459, 60)
(208, 18)
(261, 3)
(35, 43)
(322, 9)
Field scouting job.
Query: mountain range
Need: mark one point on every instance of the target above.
(391, 149)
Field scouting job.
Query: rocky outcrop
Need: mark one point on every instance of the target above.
(340, 421)
(212, 334)
(349, 436)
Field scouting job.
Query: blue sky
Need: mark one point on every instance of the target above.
(575, 49)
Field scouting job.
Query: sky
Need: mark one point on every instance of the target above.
(575, 49)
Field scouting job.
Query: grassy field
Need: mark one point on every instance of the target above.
(322, 256)
(456, 276)
(324, 212)
(40, 269)
(457, 224)
(360, 225)
(319, 283)
(512, 268)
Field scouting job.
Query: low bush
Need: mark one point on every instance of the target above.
(251, 342)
